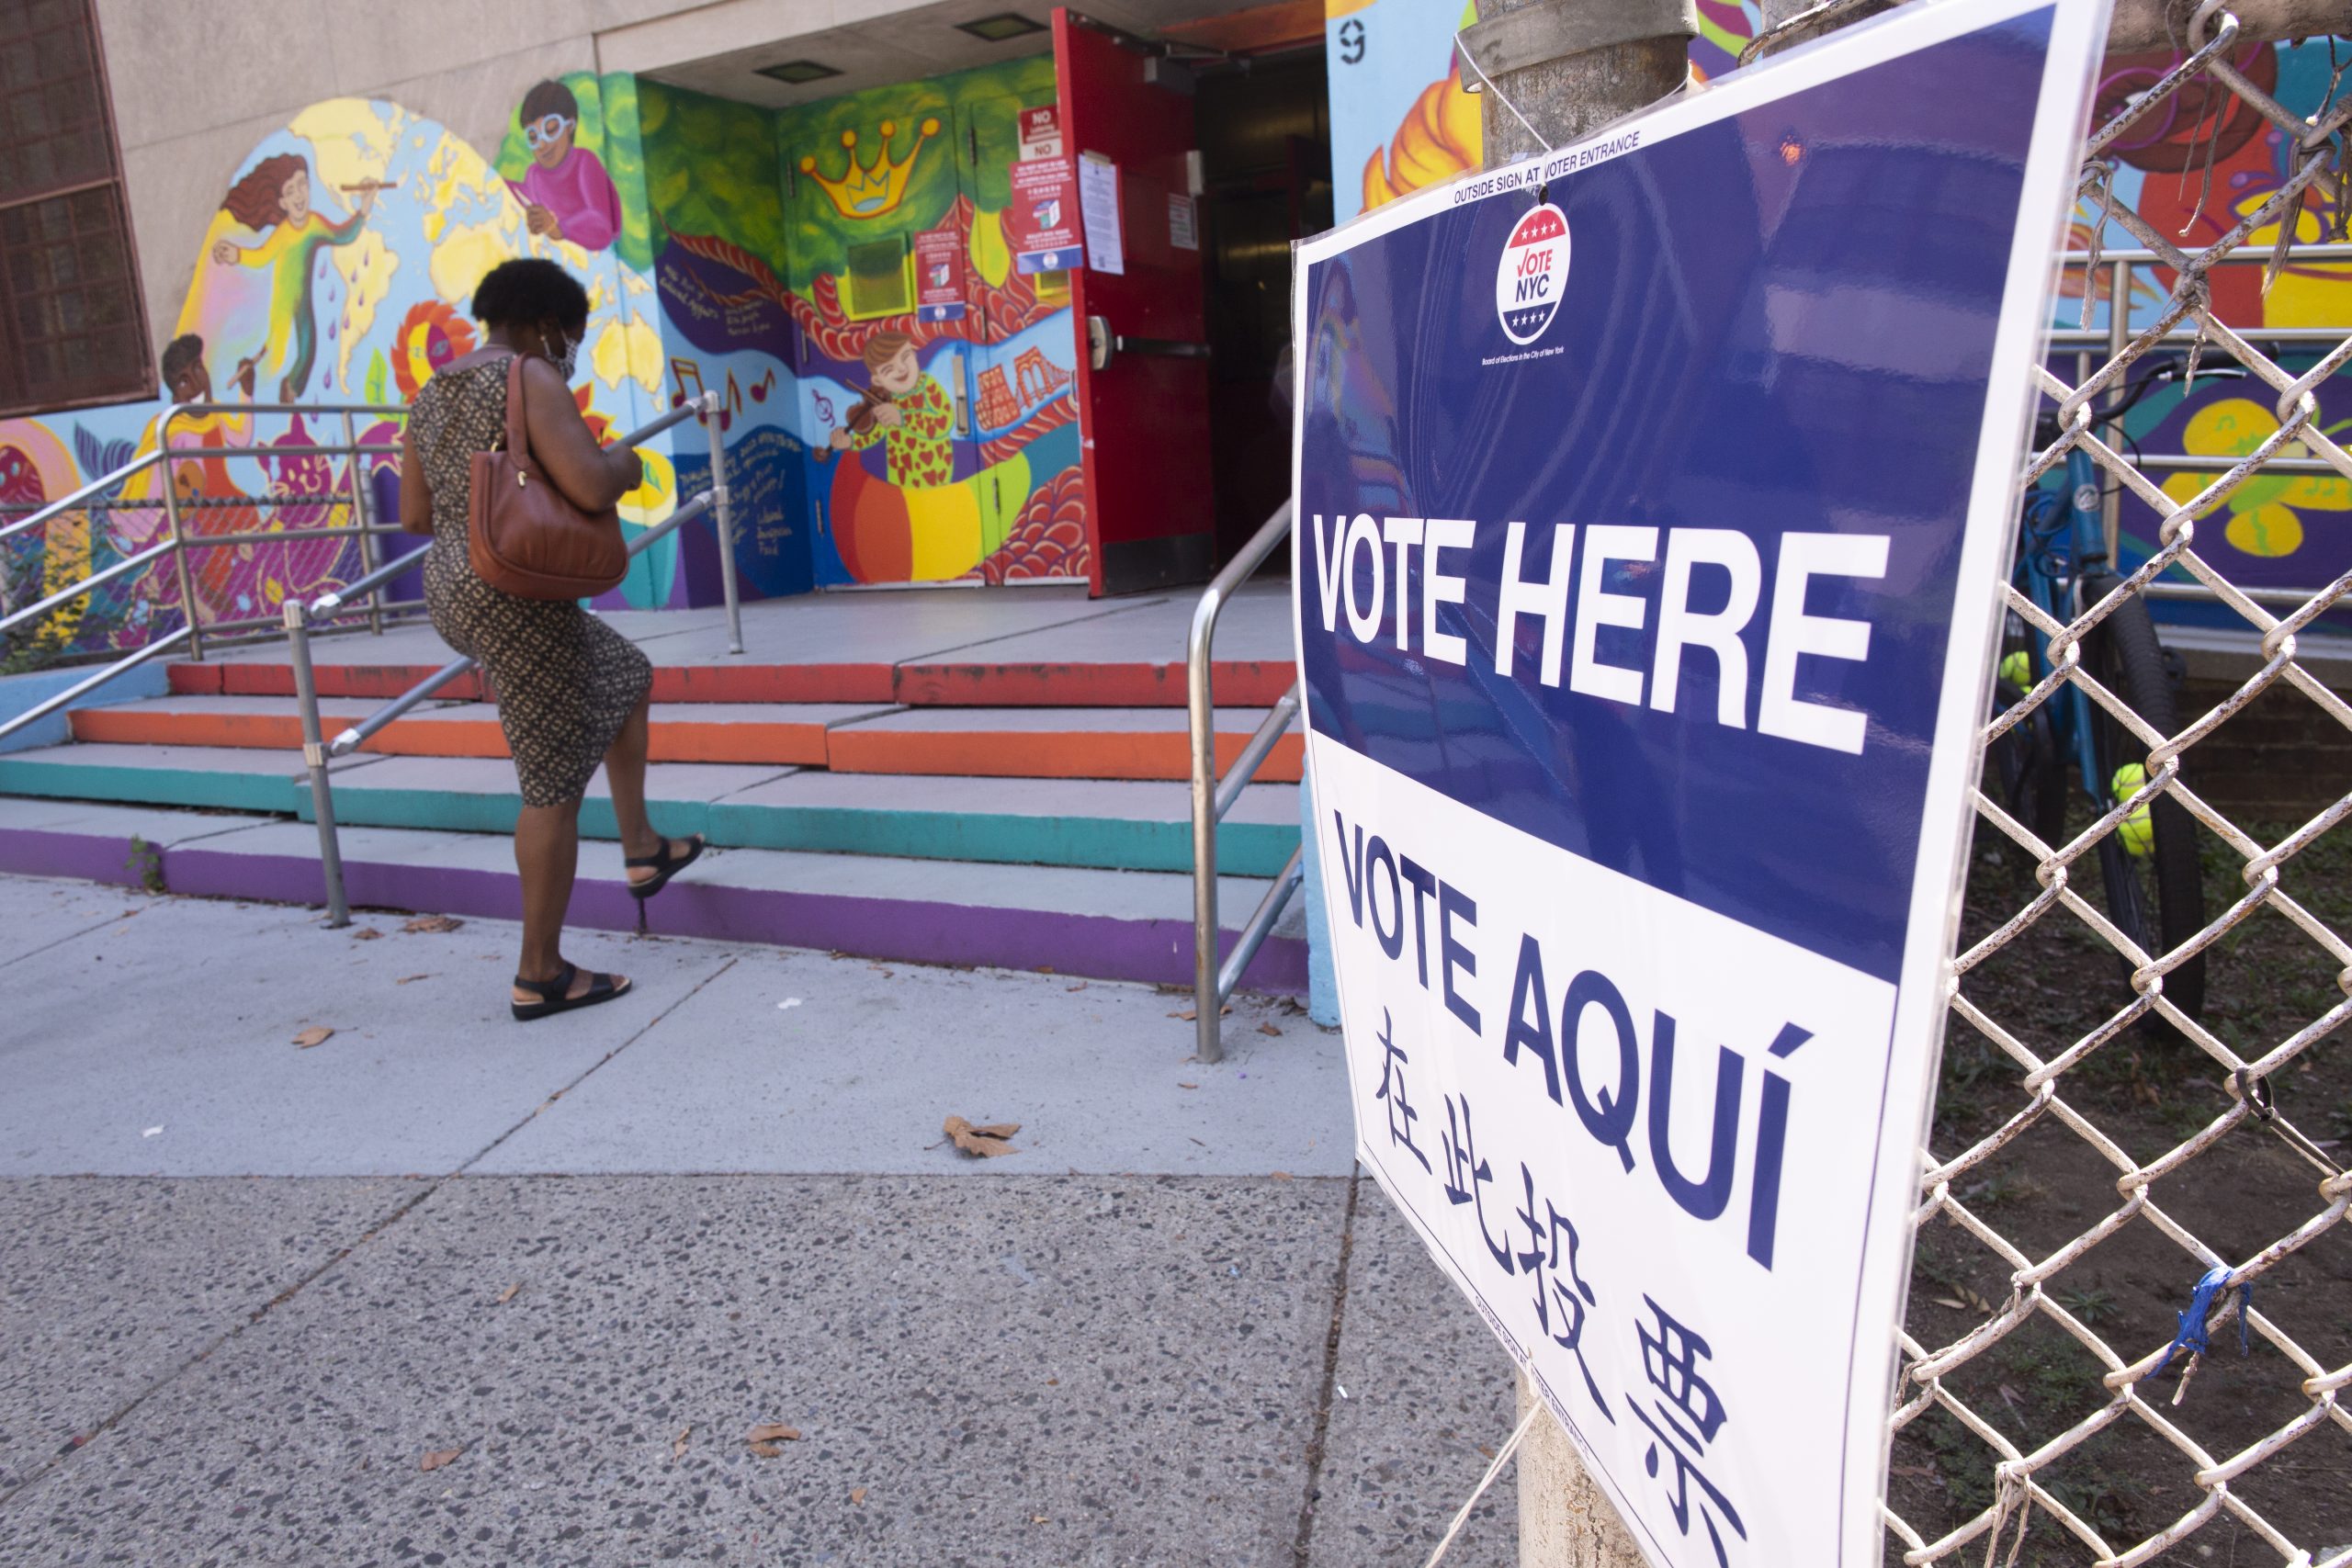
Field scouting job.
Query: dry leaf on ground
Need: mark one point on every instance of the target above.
(1191, 1015)
(986, 1142)
(1188, 1086)
(435, 1458)
(508, 1294)
(857, 1495)
(1079, 987)
(678, 1444)
(366, 933)
(766, 1437)
(410, 979)
(316, 1035)
(1270, 1028)
(434, 923)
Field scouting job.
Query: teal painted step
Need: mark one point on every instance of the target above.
(476, 794)
(1109, 824)
(221, 778)
(1119, 824)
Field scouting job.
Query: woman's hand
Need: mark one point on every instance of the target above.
(591, 478)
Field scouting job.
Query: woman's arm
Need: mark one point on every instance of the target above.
(416, 496)
(590, 476)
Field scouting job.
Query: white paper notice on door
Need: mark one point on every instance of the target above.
(1180, 230)
(1098, 205)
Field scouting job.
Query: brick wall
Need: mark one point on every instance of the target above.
(2279, 759)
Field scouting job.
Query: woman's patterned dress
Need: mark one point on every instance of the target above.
(565, 681)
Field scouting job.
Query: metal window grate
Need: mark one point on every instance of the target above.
(71, 329)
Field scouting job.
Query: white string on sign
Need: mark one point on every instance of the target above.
(1488, 82)
(1486, 1480)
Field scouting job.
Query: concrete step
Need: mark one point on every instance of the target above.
(1093, 923)
(844, 649)
(682, 732)
(1110, 824)
(1037, 743)
(1043, 743)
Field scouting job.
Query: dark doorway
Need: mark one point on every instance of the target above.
(1264, 131)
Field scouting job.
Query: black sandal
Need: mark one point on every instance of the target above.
(665, 867)
(555, 995)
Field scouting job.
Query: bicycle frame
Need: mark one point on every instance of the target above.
(2061, 538)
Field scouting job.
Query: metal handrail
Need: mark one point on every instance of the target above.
(1212, 798)
(178, 545)
(367, 586)
(318, 752)
(120, 667)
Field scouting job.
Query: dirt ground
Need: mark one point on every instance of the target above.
(2149, 1092)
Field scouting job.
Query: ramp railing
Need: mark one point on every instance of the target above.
(318, 752)
(181, 519)
(1212, 797)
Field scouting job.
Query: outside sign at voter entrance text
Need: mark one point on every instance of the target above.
(1652, 498)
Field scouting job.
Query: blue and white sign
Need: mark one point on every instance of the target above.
(1646, 607)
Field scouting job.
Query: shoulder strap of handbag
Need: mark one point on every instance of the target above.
(519, 443)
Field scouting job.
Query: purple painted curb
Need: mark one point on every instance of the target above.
(908, 930)
(86, 857)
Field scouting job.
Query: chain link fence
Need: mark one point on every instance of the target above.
(2047, 1186)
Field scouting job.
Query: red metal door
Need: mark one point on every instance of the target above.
(1144, 414)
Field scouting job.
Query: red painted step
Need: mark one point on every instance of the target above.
(702, 732)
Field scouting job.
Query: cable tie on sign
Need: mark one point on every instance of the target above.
(2191, 1335)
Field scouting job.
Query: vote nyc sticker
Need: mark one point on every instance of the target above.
(1533, 274)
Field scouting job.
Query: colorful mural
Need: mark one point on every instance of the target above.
(944, 435)
(1399, 119)
(336, 270)
(2194, 168)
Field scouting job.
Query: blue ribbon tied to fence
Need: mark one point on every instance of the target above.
(2191, 1336)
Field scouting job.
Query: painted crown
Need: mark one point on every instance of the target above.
(872, 189)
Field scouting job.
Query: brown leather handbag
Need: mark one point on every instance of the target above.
(523, 534)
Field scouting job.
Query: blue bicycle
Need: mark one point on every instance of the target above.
(2155, 892)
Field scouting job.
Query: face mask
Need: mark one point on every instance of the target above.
(567, 360)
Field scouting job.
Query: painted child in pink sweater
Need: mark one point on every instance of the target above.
(566, 194)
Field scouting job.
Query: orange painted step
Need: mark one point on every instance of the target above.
(800, 684)
(700, 732)
(1049, 743)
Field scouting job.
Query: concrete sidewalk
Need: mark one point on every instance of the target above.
(590, 1255)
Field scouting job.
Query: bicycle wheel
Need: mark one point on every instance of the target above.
(2156, 896)
(2026, 770)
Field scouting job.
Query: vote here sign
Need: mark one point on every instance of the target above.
(1652, 500)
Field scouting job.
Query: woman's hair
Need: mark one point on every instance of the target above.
(254, 201)
(547, 98)
(527, 290)
(883, 347)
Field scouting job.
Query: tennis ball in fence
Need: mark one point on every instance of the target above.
(2017, 669)
(2137, 831)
